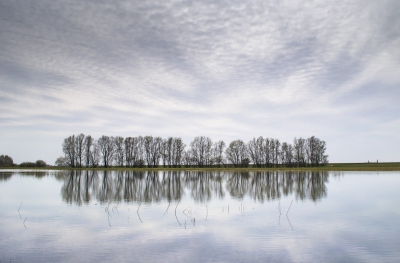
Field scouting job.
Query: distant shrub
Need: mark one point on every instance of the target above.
(41, 163)
(6, 161)
(61, 162)
(27, 164)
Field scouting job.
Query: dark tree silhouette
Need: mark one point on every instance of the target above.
(107, 149)
(6, 161)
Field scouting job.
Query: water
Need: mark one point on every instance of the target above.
(64, 216)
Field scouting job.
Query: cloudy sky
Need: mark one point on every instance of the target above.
(224, 69)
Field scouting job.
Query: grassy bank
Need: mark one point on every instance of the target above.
(329, 167)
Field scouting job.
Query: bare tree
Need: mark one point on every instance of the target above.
(95, 154)
(166, 152)
(315, 151)
(79, 148)
(187, 158)
(201, 150)
(87, 148)
(286, 154)
(218, 152)
(107, 149)
(178, 148)
(139, 154)
(256, 151)
(277, 152)
(299, 154)
(236, 153)
(119, 151)
(128, 146)
(267, 152)
(134, 152)
(69, 150)
(272, 151)
(152, 148)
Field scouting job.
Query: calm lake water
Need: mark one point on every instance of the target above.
(86, 216)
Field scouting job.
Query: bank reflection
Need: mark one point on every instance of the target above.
(80, 187)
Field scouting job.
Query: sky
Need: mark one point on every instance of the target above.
(223, 69)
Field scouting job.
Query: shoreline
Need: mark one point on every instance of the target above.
(393, 166)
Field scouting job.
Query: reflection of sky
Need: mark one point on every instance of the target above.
(352, 224)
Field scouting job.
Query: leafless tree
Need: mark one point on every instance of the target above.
(267, 152)
(140, 152)
(286, 154)
(79, 148)
(69, 150)
(315, 151)
(277, 151)
(256, 151)
(218, 152)
(107, 149)
(187, 158)
(272, 151)
(87, 148)
(178, 147)
(164, 152)
(299, 154)
(152, 148)
(119, 151)
(201, 150)
(168, 151)
(236, 153)
(95, 154)
(128, 146)
(134, 151)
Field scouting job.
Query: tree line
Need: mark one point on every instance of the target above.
(7, 161)
(152, 152)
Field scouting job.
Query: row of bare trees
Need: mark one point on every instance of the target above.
(86, 151)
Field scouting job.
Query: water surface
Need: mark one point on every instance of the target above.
(86, 216)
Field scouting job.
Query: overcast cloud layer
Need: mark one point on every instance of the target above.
(223, 69)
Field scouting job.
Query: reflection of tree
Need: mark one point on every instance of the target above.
(79, 186)
(37, 174)
(152, 188)
(105, 193)
(133, 186)
(199, 185)
(4, 176)
(203, 185)
(119, 186)
(171, 184)
(316, 185)
(82, 186)
(237, 184)
(264, 185)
